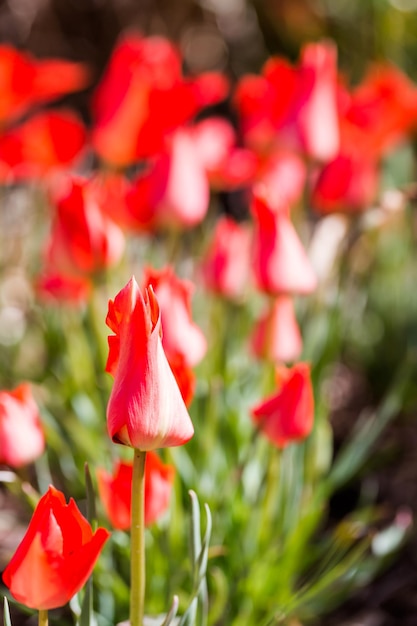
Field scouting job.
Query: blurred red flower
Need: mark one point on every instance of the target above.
(21, 435)
(180, 335)
(143, 97)
(83, 239)
(226, 264)
(50, 139)
(174, 190)
(25, 82)
(56, 556)
(277, 336)
(115, 491)
(293, 107)
(347, 183)
(288, 415)
(63, 288)
(145, 410)
(374, 117)
(280, 262)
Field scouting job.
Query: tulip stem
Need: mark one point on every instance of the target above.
(43, 618)
(137, 538)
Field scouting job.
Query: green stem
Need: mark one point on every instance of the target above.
(137, 538)
(43, 618)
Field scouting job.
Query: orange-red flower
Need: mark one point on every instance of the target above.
(25, 82)
(143, 97)
(56, 556)
(21, 434)
(145, 410)
(288, 415)
(50, 139)
(116, 491)
(83, 239)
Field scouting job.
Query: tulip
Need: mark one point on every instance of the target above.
(280, 262)
(72, 290)
(145, 410)
(25, 82)
(143, 97)
(83, 239)
(295, 107)
(56, 556)
(180, 335)
(348, 184)
(226, 265)
(116, 491)
(277, 335)
(21, 435)
(47, 140)
(288, 415)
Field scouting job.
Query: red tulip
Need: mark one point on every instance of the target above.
(143, 97)
(56, 555)
(83, 238)
(180, 335)
(288, 415)
(47, 140)
(379, 111)
(277, 335)
(25, 82)
(116, 491)
(145, 410)
(184, 375)
(348, 183)
(280, 262)
(175, 187)
(287, 105)
(21, 435)
(226, 266)
(63, 288)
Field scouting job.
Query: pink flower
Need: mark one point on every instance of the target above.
(21, 434)
(180, 335)
(226, 265)
(280, 262)
(145, 409)
(227, 165)
(277, 335)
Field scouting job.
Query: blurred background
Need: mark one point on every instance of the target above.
(232, 35)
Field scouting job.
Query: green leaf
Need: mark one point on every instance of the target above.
(195, 538)
(6, 613)
(91, 496)
(189, 617)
